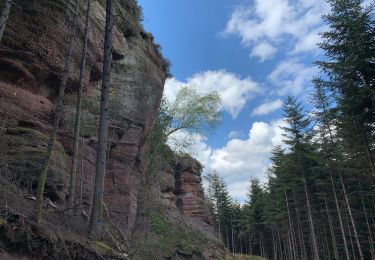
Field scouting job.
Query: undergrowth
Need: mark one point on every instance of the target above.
(167, 241)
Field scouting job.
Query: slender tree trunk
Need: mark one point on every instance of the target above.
(274, 248)
(280, 246)
(351, 219)
(77, 123)
(4, 15)
(232, 234)
(367, 224)
(219, 227)
(56, 119)
(227, 238)
(333, 237)
(300, 233)
(241, 246)
(97, 200)
(350, 236)
(290, 244)
(251, 246)
(340, 218)
(325, 237)
(290, 226)
(315, 245)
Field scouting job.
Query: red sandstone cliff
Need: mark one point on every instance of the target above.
(182, 190)
(31, 60)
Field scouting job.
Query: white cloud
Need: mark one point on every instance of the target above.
(189, 142)
(296, 22)
(172, 87)
(234, 91)
(292, 77)
(309, 41)
(267, 107)
(263, 51)
(234, 134)
(241, 159)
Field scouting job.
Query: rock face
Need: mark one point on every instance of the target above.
(32, 57)
(182, 190)
(23, 156)
(31, 60)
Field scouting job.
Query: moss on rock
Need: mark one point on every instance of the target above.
(21, 159)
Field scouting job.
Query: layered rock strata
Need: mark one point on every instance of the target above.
(31, 60)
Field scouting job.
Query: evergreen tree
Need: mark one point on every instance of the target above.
(349, 46)
(220, 204)
(298, 136)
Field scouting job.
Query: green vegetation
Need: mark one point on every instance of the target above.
(155, 237)
(193, 113)
(167, 239)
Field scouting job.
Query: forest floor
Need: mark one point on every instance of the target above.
(247, 257)
(57, 235)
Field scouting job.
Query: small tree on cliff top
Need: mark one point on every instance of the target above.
(191, 115)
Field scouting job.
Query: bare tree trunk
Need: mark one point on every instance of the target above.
(350, 235)
(333, 237)
(218, 217)
(274, 248)
(4, 14)
(77, 123)
(97, 200)
(232, 234)
(368, 224)
(300, 233)
(251, 246)
(351, 219)
(241, 246)
(227, 238)
(56, 119)
(280, 246)
(328, 250)
(340, 218)
(315, 245)
(290, 227)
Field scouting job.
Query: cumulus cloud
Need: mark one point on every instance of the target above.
(265, 22)
(234, 91)
(292, 77)
(263, 51)
(241, 159)
(267, 107)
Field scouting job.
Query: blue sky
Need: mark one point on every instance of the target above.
(254, 53)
